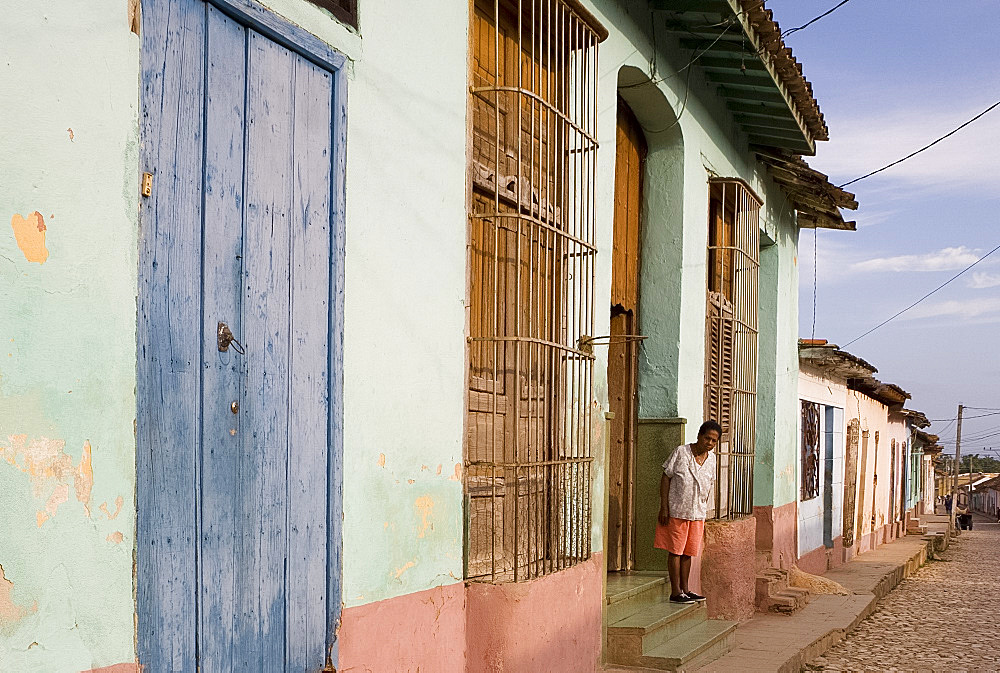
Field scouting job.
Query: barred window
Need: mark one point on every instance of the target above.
(809, 468)
(531, 276)
(731, 340)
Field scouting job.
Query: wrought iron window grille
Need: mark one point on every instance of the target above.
(810, 466)
(731, 340)
(528, 457)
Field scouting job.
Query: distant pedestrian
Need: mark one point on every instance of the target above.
(947, 504)
(685, 487)
(963, 511)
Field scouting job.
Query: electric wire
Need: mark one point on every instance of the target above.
(939, 287)
(964, 417)
(812, 21)
(977, 437)
(925, 147)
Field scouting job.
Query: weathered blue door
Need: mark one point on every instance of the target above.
(238, 444)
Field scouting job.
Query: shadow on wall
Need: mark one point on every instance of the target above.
(662, 239)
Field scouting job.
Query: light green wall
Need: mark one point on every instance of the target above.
(673, 276)
(763, 483)
(404, 345)
(68, 147)
(776, 463)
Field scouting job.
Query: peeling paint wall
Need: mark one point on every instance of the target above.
(872, 496)
(68, 206)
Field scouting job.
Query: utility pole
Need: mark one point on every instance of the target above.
(970, 483)
(958, 464)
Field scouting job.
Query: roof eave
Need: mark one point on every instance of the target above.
(752, 69)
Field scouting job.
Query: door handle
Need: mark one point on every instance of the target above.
(224, 337)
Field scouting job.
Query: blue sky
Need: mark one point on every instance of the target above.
(890, 76)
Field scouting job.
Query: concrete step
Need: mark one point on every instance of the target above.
(768, 583)
(650, 628)
(774, 594)
(698, 645)
(634, 592)
(790, 600)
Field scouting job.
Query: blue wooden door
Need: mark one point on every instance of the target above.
(239, 449)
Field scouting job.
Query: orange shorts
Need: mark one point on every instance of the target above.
(680, 536)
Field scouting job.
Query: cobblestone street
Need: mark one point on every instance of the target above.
(944, 618)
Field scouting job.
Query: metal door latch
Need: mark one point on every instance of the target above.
(224, 337)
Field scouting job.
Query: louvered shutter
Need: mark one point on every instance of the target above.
(719, 353)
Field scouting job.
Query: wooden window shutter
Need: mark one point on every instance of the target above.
(719, 351)
(345, 10)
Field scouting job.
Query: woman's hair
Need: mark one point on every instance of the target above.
(710, 425)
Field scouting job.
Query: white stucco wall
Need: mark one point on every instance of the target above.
(832, 398)
(874, 418)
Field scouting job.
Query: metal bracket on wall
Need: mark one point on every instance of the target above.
(586, 343)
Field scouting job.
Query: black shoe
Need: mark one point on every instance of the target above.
(682, 598)
(697, 597)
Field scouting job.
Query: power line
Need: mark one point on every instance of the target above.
(925, 147)
(812, 21)
(939, 287)
(942, 420)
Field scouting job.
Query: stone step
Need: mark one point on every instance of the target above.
(698, 645)
(650, 628)
(774, 594)
(634, 592)
(769, 582)
(790, 600)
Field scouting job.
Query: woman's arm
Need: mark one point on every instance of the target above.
(664, 504)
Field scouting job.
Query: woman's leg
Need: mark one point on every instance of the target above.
(674, 568)
(685, 568)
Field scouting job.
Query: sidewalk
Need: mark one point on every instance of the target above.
(774, 642)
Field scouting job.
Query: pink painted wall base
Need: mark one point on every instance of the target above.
(821, 559)
(550, 624)
(727, 568)
(420, 631)
(776, 530)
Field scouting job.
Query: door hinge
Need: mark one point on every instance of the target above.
(147, 184)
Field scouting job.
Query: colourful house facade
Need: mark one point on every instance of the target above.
(862, 456)
(353, 334)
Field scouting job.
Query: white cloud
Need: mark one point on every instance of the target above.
(870, 141)
(946, 259)
(960, 309)
(982, 281)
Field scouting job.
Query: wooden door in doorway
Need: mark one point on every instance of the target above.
(623, 353)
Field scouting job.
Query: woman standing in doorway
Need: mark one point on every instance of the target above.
(685, 487)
